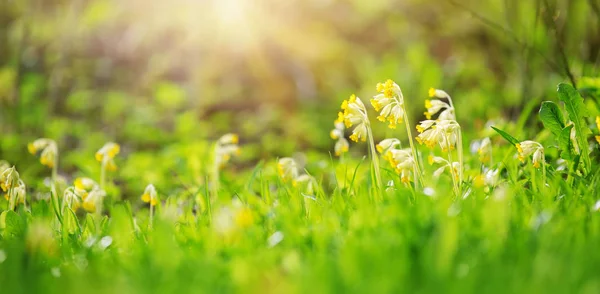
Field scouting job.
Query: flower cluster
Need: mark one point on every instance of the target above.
(435, 105)
(226, 146)
(106, 155)
(527, 148)
(401, 160)
(341, 145)
(438, 132)
(150, 195)
(354, 113)
(389, 103)
(11, 184)
(49, 151)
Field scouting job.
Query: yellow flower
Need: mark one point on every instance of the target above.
(91, 201)
(48, 148)
(84, 184)
(243, 217)
(150, 195)
(389, 103)
(402, 161)
(106, 155)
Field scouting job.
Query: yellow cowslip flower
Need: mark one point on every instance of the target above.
(91, 201)
(598, 122)
(440, 132)
(287, 169)
(82, 186)
(149, 195)
(389, 103)
(106, 155)
(354, 113)
(435, 106)
(402, 161)
(226, 146)
(485, 150)
(48, 148)
(341, 145)
(9, 178)
(527, 148)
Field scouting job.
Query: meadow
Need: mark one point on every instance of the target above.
(303, 147)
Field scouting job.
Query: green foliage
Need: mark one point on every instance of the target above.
(512, 140)
(577, 114)
(552, 117)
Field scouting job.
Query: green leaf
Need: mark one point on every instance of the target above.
(577, 113)
(12, 223)
(565, 144)
(506, 136)
(552, 117)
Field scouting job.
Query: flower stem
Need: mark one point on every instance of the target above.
(416, 168)
(374, 159)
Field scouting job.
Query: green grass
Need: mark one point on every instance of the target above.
(260, 234)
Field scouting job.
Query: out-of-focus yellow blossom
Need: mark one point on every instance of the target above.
(92, 200)
(389, 103)
(485, 150)
(106, 155)
(150, 195)
(341, 145)
(434, 106)
(355, 114)
(232, 218)
(527, 148)
(48, 148)
(226, 146)
(287, 169)
(83, 185)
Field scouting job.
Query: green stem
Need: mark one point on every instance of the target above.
(215, 175)
(451, 166)
(417, 168)
(459, 150)
(374, 160)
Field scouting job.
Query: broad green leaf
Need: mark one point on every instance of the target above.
(577, 113)
(552, 117)
(506, 136)
(12, 223)
(565, 144)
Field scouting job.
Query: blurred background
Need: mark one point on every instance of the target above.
(166, 78)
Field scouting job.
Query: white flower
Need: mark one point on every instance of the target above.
(150, 195)
(435, 106)
(387, 144)
(341, 145)
(287, 169)
(226, 146)
(485, 150)
(527, 148)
